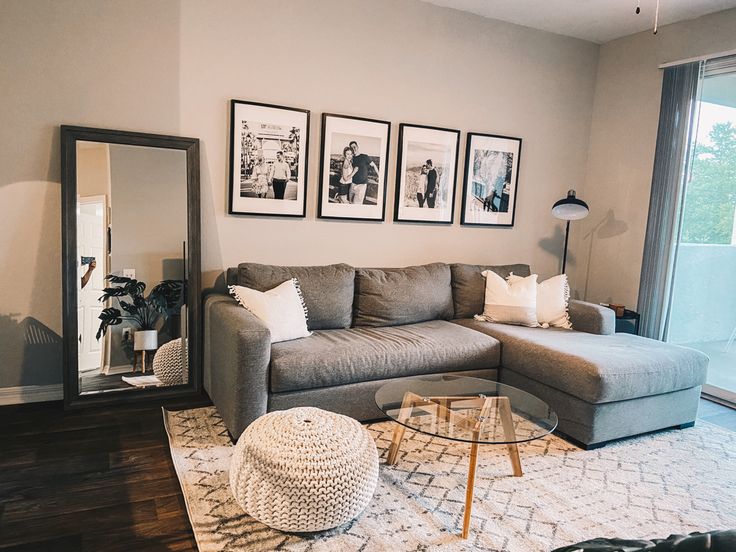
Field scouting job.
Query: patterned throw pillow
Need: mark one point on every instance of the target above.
(510, 302)
(281, 309)
(553, 296)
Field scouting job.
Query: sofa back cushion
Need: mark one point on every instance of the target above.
(394, 296)
(327, 290)
(469, 285)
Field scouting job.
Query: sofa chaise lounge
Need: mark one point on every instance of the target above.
(372, 325)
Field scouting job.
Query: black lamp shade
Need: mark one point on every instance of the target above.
(570, 208)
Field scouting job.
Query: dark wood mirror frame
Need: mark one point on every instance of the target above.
(70, 135)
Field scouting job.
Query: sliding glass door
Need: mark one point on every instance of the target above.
(702, 311)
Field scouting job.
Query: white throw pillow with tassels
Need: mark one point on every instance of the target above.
(553, 297)
(510, 302)
(281, 309)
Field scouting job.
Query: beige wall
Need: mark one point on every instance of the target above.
(622, 143)
(149, 212)
(93, 169)
(101, 63)
(403, 61)
(171, 67)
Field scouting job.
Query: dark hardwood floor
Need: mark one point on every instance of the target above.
(102, 479)
(92, 479)
(95, 381)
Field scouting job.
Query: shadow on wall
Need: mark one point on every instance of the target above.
(555, 244)
(219, 285)
(29, 350)
(608, 227)
(30, 283)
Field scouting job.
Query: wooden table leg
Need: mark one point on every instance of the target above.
(504, 410)
(469, 489)
(406, 408)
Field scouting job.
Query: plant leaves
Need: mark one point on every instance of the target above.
(128, 307)
(109, 292)
(115, 279)
(144, 311)
(109, 317)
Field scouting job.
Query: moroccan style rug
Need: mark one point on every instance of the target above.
(651, 486)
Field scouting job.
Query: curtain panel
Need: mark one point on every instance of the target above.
(676, 131)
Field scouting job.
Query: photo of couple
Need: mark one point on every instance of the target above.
(354, 174)
(426, 174)
(427, 185)
(423, 184)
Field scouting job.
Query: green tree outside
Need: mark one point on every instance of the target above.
(710, 198)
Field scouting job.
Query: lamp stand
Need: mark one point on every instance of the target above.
(564, 254)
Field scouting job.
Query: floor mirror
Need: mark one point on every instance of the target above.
(131, 266)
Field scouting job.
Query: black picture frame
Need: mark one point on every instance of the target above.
(270, 206)
(70, 135)
(399, 192)
(323, 203)
(471, 214)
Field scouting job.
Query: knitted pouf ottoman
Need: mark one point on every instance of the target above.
(304, 469)
(170, 363)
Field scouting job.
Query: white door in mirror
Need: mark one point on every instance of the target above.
(90, 245)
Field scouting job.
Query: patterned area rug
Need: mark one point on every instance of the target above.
(652, 486)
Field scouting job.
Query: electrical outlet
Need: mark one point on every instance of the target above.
(129, 273)
(126, 334)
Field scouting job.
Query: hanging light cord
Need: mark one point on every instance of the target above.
(637, 11)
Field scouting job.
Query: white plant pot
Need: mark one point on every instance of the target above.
(145, 340)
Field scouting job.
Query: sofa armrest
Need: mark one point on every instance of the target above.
(591, 318)
(237, 354)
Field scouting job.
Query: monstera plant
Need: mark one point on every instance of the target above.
(144, 311)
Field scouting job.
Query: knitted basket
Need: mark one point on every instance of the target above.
(304, 469)
(169, 364)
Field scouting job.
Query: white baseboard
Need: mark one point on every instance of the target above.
(31, 393)
(121, 369)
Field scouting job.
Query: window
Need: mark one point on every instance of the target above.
(703, 304)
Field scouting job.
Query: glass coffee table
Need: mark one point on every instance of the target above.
(471, 410)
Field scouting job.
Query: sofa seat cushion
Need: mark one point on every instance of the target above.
(596, 368)
(339, 357)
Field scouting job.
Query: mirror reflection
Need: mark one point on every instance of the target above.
(132, 273)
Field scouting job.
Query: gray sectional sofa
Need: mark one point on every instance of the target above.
(372, 325)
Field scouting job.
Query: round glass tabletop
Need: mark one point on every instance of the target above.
(466, 409)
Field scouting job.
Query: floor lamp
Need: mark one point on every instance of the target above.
(569, 208)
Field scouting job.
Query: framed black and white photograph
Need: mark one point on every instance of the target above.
(491, 180)
(425, 174)
(354, 168)
(268, 159)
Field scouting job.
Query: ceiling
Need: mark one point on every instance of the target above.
(594, 20)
